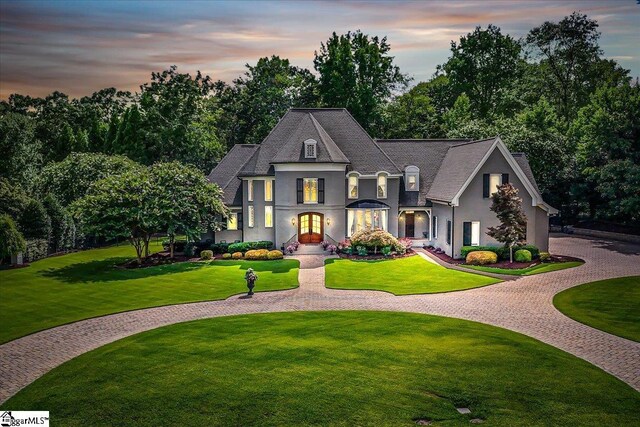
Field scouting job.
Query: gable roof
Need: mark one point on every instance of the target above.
(292, 150)
(225, 174)
(523, 162)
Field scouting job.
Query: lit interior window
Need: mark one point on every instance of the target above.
(353, 187)
(310, 190)
(382, 186)
(268, 216)
(232, 221)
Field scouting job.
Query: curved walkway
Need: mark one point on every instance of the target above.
(523, 305)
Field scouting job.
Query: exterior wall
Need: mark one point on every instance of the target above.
(228, 236)
(421, 224)
(473, 207)
(368, 190)
(444, 213)
(287, 207)
(542, 230)
(258, 231)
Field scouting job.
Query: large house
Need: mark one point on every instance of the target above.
(319, 176)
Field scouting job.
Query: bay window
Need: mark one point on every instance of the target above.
(361, 219)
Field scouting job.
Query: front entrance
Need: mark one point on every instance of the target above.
(409, 225)
(310, 227)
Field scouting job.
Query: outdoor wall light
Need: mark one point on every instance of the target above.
(293, 221)
(328, 221)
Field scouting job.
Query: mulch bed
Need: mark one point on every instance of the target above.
(154, 260)
(504, 264)
(376, 257)
(444, 257)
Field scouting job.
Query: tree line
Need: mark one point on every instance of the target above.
(550, 94)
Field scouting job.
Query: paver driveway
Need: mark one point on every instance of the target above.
(522, 305)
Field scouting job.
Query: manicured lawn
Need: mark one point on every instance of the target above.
(536, 269)
(85, 284)
(402, 276)
(611, 305)
(330, 368)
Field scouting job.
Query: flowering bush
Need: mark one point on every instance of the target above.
(332, 249)
(325, 244)
(401, 248)
(408, 243)
(295, 244)
(344, 244)
(290, 249)
(373, 239)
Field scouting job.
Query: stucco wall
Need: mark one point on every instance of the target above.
(421, 224)
(542, 230)
(258, 231)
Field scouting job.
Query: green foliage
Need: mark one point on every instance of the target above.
(11, 240)
(226, 255)
(36, 249)
(412, 115)
(513, 222)
(61, 225)
(34, 221)
(246, 246)
(13, 199)
(206, 254)
(545, 256)
(72, 178)
(21, 150)
(372, 239)
(501, 251)
(357, 73)
(481, 258)
(522, 255)
(386, 251)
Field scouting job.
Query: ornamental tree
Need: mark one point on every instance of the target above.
(185, 201)
(11, 241)
(513, 222)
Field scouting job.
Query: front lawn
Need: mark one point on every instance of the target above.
(529, 271)
(402, 276)
(330, 368)
(611, 305)
(76, 286)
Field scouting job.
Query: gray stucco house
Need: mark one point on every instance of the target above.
(319, 176)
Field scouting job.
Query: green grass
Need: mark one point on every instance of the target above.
(402, 276)
(329, 368)
(611, 305)
(85, 284)
(529, 271)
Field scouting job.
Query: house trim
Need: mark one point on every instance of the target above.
(309, 167)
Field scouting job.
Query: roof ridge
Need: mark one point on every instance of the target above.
(316, 108)
(421, 139)
(474, 141)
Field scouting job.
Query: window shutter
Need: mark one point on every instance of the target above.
(466, 234)
(321, 190)
(448, 232)
(299, 190)
(240, 226)
(505, 178)
(485, 185)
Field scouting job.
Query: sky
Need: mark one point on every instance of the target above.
(79, 47)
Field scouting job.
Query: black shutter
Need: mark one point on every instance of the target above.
(505, 178)
(485, 185)
(466, 234)
(321, 191)
(240, 227)
(299, 190)
(448, 232)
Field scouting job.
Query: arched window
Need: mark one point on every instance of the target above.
(382, 185)
(310, 149)
(353, 186)
(411, 178)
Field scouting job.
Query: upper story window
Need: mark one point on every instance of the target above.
(232, 221)
(491, 182)
(382, 186)
(353, 186)
(268, 190)
(310, 186)
(310, 149)
(251, 215)
(250, 190)
(412, 178)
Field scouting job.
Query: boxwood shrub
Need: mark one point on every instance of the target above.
(481, 258)
(522, 255)
(247, 246)
(501, 251)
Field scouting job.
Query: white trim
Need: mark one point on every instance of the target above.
(257, 177)
(309, 167)
(311, 143)
(535, 196)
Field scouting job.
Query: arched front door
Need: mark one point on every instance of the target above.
(310, 227)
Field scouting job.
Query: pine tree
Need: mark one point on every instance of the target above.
(513, 222)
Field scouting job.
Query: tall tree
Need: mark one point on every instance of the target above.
(412, 115)
(357, 73)
(484, 65)
(513, 222)
(11, 241)
(21, 158)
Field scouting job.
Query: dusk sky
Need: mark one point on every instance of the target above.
(78, 47)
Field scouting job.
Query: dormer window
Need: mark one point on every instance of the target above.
(310, 149)
(411, 178)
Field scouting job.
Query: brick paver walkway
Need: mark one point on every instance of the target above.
(523, 305)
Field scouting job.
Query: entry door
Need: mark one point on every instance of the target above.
(409, 227)
(310, 228)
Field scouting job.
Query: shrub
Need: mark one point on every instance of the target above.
(545, 256)
(247, 246)
(344, 244)
(34, 222)
(386, 251)
(35, 249)
(296, 245)
(226, 255)
(178, 245)
(373, 239)
(522, 255)
(11, 241)
(219, 248)
(236, 255)
(256, 254)
(466, 250)
(481, 258)
(501, 251)
(362, 251)
(408, 243)
(275, 254)
(535, 252)
(325, 244)
(204, 245)
(290, 249)
(189, 250)
(206, 254)
(332, 249)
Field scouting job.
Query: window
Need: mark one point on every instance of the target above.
(491, 182)
(434, 228)
(475, 233)
(251, 213)
(310, 149)
(310, 186)
(268, 216)
(448, 232)
(232, 221)
(412, 176)
(382, 186)
(360, 219)
(268, 190)
(353, 186)
(495, 181)
(250, 190)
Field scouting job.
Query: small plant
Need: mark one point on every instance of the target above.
(275, 254)
(481, 258)
(226, 255)
(408, 243)
(545, 256)
(237, 255)
(206, 254)
(386, 251)
(522, 255)
(332, 249)
(325, 244)
(344, 244)
(290, 249)
(296, 245)
(362, 251)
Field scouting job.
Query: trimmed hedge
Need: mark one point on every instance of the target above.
(275, 254)
(226, 256)
(545, 256)
(219, 248)
(256, 254)
(247, 246)
(206, 254)
(501, 251)
(481, 258)
(522, 255)
(237, 255)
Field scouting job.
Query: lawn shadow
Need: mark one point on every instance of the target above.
(275, 267)
(105, 271)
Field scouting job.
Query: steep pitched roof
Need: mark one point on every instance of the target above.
(225, 174)
(523, 162)
(292, 150)
(457, 166)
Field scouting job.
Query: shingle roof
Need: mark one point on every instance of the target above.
(457, 166)
(426, 155)
(225, 174)
(523, 162)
